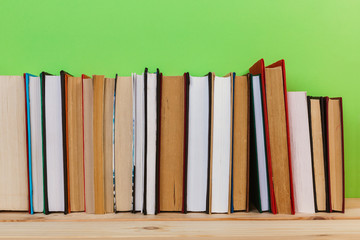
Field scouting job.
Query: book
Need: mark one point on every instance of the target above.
(88, 103)
(276, 103)
(197, 161)
(301, 152)
(35, 148)
(260, 182)
(108, 144)
(13, 152)
(241, 144)
(335, 147)
(98, 142)
(75, 144)
(64, 76)
(221, 144)
(172, 140)
(317, 124)
(124, 146)
(151, 105)
(53, 129)
(139, 98)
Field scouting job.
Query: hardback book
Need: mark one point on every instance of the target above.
(259, 165)
(277, 135)
(221, 144)
(53, 140)
(241, 144)
(301, 153)
(33, 96)
(198, 147)
(172, 140)
(13, 145)
(64, 76)
(150, 160)
(139, 99)
(74, 113)
(124, 144)
(318, 140)
(335, 147)
(108, 144)
(98, 142)
(88, 103)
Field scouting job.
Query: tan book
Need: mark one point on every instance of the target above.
(318, 147)
(241, 143)
(98, 141)
(13, 156)
(75, 144)
(172, 143)
(123, 143)
(88, 145)
(275, 101)
(335, 153)
(108, 143)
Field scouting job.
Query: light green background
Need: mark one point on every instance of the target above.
(319, 40)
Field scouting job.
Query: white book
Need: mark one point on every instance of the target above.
(139, 140)
(221, 148)
(198, 144)
(151, 142)
(260, 142)
(36, 143)
(54, 144)
(301, 163)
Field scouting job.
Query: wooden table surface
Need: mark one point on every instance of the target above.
(15, 225)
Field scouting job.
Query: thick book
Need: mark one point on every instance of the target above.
(109, 144)
(124, 144)
(13, 151)
(139, 153)
(221, 144)
(198, 147)
(172, 140)
(335, 147)
(241, 144)
(35, 169)
(53, 140)
(75, 152)
(150, 161)
(98, 143)
(301, 153)
(259, 165)
(318, 140)
(87, 86)
(276, 135)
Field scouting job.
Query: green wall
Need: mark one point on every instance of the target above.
(319, 40)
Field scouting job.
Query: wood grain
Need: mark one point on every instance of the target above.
(250, 225)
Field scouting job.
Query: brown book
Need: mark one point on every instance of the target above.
(123, 143)
(241, 143)
(317, 125)
(275, 100)
(335, 139)
(75, 143)
(172, 143)
(88, 144)
(108, 143)
(13, 155)
(98, 141)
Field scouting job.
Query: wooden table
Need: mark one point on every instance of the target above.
(252, 225)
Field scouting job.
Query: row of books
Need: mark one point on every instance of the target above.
(152, 143)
